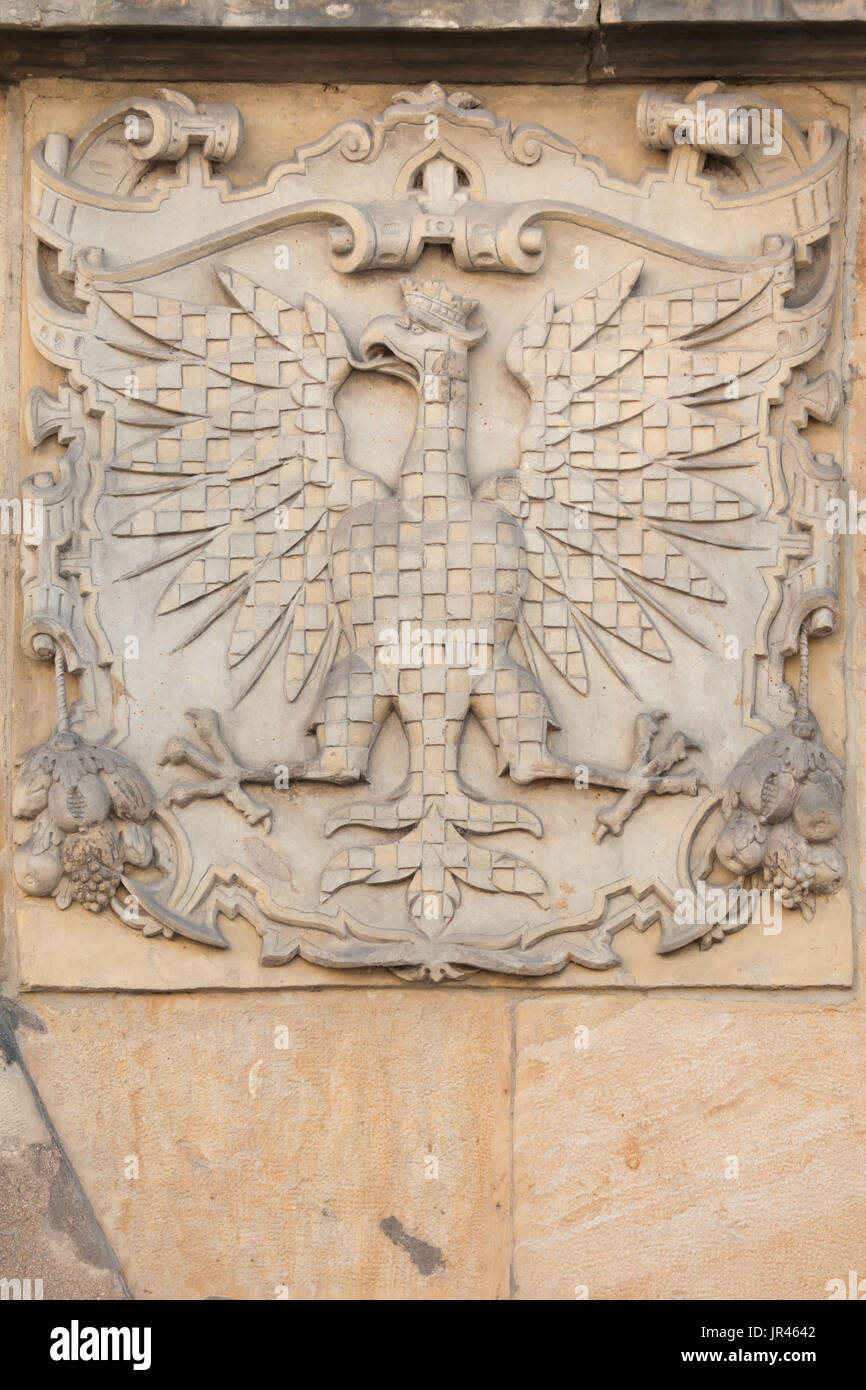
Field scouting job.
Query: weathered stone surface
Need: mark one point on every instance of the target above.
(51, 1246)
(302, 14)
(324, 1145)
(87, 953)
(463, 15)
(725, 11)
(629, 1115)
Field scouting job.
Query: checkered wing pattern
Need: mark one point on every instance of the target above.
(227, 427)
(634, 402)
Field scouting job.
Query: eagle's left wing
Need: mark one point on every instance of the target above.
(634, 401)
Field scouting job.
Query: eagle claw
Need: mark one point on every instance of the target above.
(212, 756)
(651, 773)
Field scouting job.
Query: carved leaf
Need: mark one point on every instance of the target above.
(30, 792)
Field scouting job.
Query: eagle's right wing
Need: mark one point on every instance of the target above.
(227, 429)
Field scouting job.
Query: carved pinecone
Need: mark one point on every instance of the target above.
(92, 861)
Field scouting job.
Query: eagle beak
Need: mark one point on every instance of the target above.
(377, 354)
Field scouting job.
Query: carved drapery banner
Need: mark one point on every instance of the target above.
(434, 522)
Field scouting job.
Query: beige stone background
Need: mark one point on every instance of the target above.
(425, 1141)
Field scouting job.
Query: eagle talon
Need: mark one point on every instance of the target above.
(220, 766)
(650, 773)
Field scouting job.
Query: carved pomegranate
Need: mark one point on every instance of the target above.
(83, 803)
(783, 804)
(37, 872)
(818, 808)
(89, 807)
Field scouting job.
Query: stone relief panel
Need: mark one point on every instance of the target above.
(435, 550)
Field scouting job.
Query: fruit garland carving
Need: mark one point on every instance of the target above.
(89, 808)
(783, 810)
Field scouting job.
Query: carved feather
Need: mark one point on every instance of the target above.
(633, 401)
(240, 458)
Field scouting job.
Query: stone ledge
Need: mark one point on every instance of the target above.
(629, 53)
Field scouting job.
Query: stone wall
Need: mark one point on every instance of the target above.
(182, 1123)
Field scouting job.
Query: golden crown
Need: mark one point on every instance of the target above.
(433, 304)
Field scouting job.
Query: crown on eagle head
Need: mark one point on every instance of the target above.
(434, 305)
